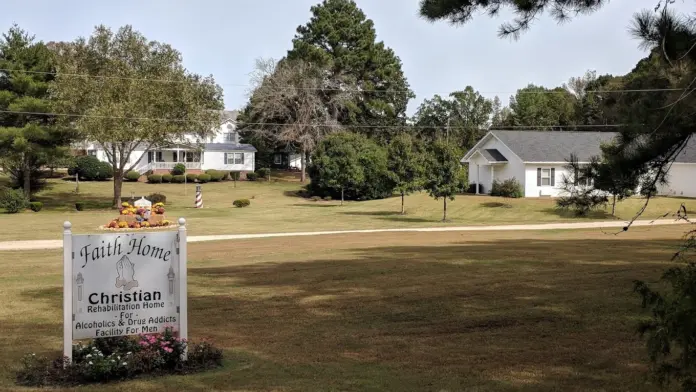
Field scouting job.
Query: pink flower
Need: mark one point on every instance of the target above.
(168, 349)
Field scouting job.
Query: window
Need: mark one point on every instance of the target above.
(92, 153)
(234, 158)
(230, 137)
(192, 156)
(277, 159)
(159, 157)
(546, 176)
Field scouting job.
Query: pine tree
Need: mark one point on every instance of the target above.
(28, 137)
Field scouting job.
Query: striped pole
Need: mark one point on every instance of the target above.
(199, 197)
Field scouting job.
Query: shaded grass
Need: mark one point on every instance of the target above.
(276, 208)
(510, 311)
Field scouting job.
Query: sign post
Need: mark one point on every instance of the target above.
(123, 284)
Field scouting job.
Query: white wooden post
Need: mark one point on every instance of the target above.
(67, 290)
(183, 292)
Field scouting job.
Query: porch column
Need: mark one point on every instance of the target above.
(478, 178)
(492, 176)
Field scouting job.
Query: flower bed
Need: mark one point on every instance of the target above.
(132, 217)
(120, 358)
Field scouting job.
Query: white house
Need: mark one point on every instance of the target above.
(537, 160)
(223, 150)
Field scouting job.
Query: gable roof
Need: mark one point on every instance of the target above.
(554, 146)
(493, 155)
(228, 115)
(229, 147)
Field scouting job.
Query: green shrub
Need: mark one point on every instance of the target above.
(154, 178)
(508, 188)
(203, 178)
(316, 198)
(166, 178)
(178, 179)
(80, 206)
(89, 168)
(114, 359)
(132, 176)
(264, 172)
(328, 198)
(157, 198)
(241, 203)
(216, 176)
(13, 201)
(251, 176)
(191, 177)
(178, 169)
(236, 176)
(36, 206)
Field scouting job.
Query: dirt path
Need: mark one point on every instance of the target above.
(57, 244)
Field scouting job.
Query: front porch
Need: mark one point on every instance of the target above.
(484, 164)
(163, 161)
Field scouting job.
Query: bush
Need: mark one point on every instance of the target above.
(508, 188)
(203, 178)
(178, 169)
(89, 168)
(236, 176)
(13, 201)
(241, 203)
(114, 359)
(328, 198)
(251, 176)
(316, 198)
(191, 177)
(132, 176)
(217, 176)
(80, 206)
(371, 159)
(155, 198)
(264, 172)
(154, 179)
(166, 178)
(36, 206)
(178, 179)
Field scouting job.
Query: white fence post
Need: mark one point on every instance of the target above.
(183, 292)
(67, 290)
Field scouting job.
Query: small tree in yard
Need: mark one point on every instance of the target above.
(443, 173)
(406, 165)
(338, 161)
(578, 193)
(119, 107)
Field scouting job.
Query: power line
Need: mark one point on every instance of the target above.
(394, 91)
(298, 124)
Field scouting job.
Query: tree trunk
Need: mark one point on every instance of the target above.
(303, 163)
(403, 211)
(444, 211)
(118, 185)
(613, 206)
(341, 195)
(27, 178)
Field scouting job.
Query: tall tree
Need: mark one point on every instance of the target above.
(27, 140)
(461, 119)
(539, 107)
(340, 38)
(338, 162)
(445, 173)
(288, 107)
(405, 160)
(500, 114)
(120, 107)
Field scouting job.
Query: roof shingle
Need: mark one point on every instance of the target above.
(554, 146)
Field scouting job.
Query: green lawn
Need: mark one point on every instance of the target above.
(508, 311)
(276, 208)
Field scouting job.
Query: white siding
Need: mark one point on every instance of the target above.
(681, 181)
(216, 160)
(514, 168)
(295, 161)
(219, 133)
(139, 156)
(531, 189)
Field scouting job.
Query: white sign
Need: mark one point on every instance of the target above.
(124, 284)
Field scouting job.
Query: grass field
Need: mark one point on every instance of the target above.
(276, 208)
(508, 311)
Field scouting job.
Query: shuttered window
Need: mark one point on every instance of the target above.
(546, 176)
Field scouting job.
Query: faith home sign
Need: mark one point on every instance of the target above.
(123, 284)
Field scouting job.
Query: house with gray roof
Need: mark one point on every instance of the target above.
(537, 160)
(222, 149)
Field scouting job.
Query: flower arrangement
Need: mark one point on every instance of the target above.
(158, 208)
(141, 217)
(120, 358)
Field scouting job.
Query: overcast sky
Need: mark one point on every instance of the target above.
(224, 37)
